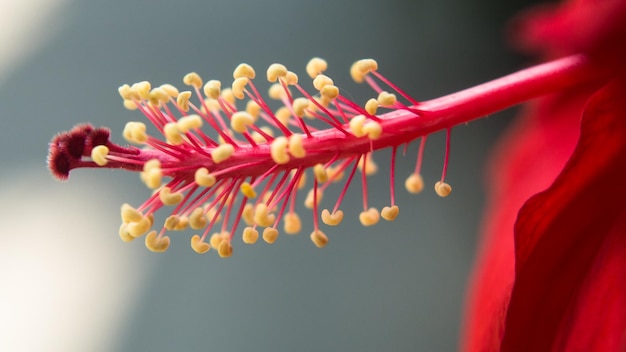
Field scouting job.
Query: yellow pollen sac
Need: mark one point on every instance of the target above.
(227, 94)
(173, 134)
(124, 234)
(371, 106)
(216, 239)
(329, 92)
(222, 152)
(319, 238)
(275, 71)
(315, 66)
(333, 219)
(291, 78)
(299, 105)
(247, 190)
(183, 222)
(386, 99)
(170, 90)
(158, 96)
(356, 125)
(276, 91)
(212, 89)
(308, 202)
(168, 198)
(270, 235)
(293, 225)
(204, 178)
(142, 89)
(296, 148)
(197, 219)
(130, 214)
(225, 250)
(152, 178)
(130, 105)
(171, 222)
(262, 216)
(244, 70)
(369, 217)
(140, 227)
(238, 87)
(135, 132)
(151, 164)
(259, 138)
(188, 123)
(99, 155)
(240, 121)
(193, 79)
(361, 68)
(253, 108)
(182, 100)
(250, 235)
(320, 81)
(442, 189)
(334, 174)
(278, 150)
(414, 183)
(283, 115)
(248, 214)
(126, 92)
(320, 173)
(390, 213)
(156, 244)
(372, 129)
(198, 245)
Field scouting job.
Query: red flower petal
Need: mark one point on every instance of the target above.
(570, 286)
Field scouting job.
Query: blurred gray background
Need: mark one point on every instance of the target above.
(394, 287)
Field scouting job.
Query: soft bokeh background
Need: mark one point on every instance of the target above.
(69, 284)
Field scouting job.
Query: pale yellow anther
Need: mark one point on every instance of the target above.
(259, 138)
(197, 219)
(356, 125)
(244, 70)
(319, 238)
(99, 155)
(138, 228)
(361, 68)
(247, 190)
(262, 216)
(152, 178)
(152, 164)
(320, 173)
(414, 183)
(275, 71)
(211, 213)
(312, 108)
(299, 106)
(369, 217)
(390, 213)
(270, 235)
(157, 244)
(183, 222)
(142, 89)
(250, 235)
(291, 78)
(216, 239)
(240, 121)
(189, 122)
(158, 96)
(308, 202)
(386, 99)
(130, 105)
(168, 198)
(135, 132)
(212, 89)
(203, 178)
(293, 225)
(125, 92)
(329, 92)
(335, 174)
(222, 152)
(296, 147)
(170, 90)
(372, 129)
(124, 234)
(442, 189)
(225, 249)
(276, 91)
(320, 81)
(315, 66)
(238, 87)
(198, 245)
(370, 167)
(283, 115)
(173, 134)
(130, 214)
(182, 100)
(371, 106)
(253, 108)
(278, 150)
(248, 214)
(333, 219)
(193, 79)
(228, 96)
(171, 222)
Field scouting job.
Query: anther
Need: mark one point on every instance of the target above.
(156, 244)
(173, 134)
(253, 108)
(262, 217)
(130, 214)
(212, 89)
(238, 87)
(299, 105)
(274, 71)
(171, 222)
(248, 214)
(247, 190)
(170, 90)
(142, 89)
(197, 219)
(193, 79)
(276, 91)
(390, 213)
(227, 94)
(295, 146)
(361, 68)
(315, 66)
(222, 152)
(270, 235)
(369, 217)
(293, 225)
(182, 100)
(99, 154)
(319, 238)
(124, 234)
(356, 125)
(414, 183)
(329, 92)
(126, 92)
(386, 99)
(250, 235)
(320, 81)
(189, 122)
(225, 249)
(278, 150)
(203, 178)
(244, 70)
(333, 219)
(198, 245)
(291, 78)
(308, 202)
(371, 106)
(240, 121)
(158, 96)
(372, 129)
(442, 189)
(168, 198)
(320, 173)
(138, 228)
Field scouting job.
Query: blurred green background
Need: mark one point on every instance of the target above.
(70, 284)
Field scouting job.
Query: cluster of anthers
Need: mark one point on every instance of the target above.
(251, 170)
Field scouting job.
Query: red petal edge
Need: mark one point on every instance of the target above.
(570, 287)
